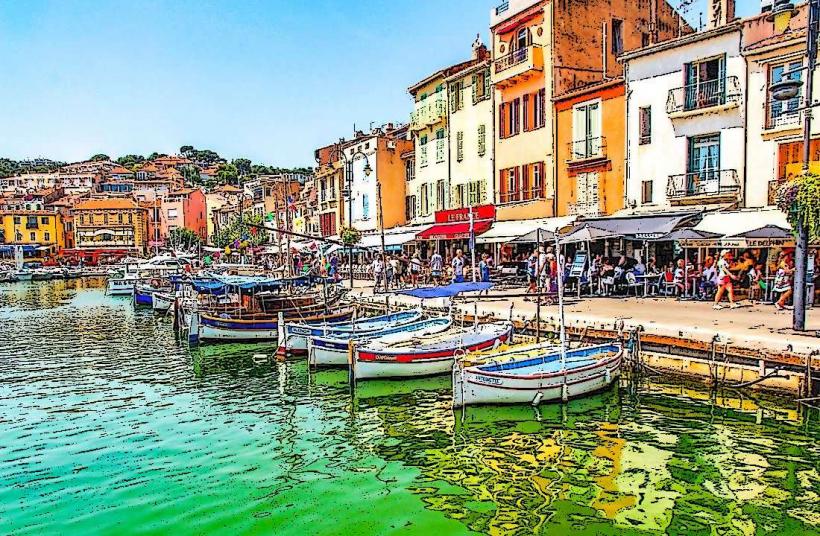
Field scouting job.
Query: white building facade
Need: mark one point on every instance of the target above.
(470, 108)
(686, 122)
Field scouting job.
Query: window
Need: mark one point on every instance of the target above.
(44, 220)
(509, 187)
(460, 200)
(705, 83)
(783, 113)
(456, 96)
(617, 37)
(47, 236)
(460, 145)
(17, 220)
(481, 86)
(172, 213)
(425, 199)
(533, 110)
(441, 146)
(645, 126)
(410, 207)
(586, 131)
(105, 218)
(509, 118)
(32, 236)
(82, 219)
(482, 140)
(522, 38)
(409, 169)
(587, 194)
(130, 218)
(441, 195)
(644, 40)
(18, 236)
(474, 193)
(365, 207)
(703, 168)
(423, 151)
(646, 192)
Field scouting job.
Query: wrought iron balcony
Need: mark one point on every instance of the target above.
(518, 63)
(784, 119)
(703, 184)
(704, 95)
(587, 149)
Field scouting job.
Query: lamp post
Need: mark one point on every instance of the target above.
(338, 153)
(788, 88)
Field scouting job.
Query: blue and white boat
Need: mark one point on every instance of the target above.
(333, 351)
(531, 374)
(144, 295)
(294, 336)
(213, 327)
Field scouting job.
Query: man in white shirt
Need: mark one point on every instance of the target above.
(378, 272)
(458, 267)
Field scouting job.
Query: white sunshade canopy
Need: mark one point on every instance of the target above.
(506, 231)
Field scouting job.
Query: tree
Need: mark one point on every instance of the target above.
(227, 174)
(186, 150)
(238, 229)
(191, 174)
(184, 238)
(155, 155)
(100, 157)
(243, 166)
(130, 161)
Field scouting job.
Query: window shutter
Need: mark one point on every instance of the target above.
(474, 84)
(453, 97)
(486, 84)
(501, 122)
(482, 192)
(527, 124)
(460, 145)
(482, 140)
(517, 116)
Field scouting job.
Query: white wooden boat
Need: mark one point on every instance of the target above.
(294, 336)
(23, 274)
(426, 356)
(333, 351)
(162, 301)
(533, 374)
(121, 284)
(263, 328)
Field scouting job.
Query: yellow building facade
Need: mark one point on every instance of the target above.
(115, 223)
(38, 228)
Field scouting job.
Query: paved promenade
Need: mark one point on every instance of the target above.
(752, 326)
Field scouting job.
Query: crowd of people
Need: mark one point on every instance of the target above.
(399, 271)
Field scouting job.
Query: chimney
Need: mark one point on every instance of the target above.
(480, 51)
(720, 13)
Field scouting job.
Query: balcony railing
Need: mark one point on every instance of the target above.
(512, 59)
(429, 112)
(703, 183)
(515, 196)
(587, 148)
(786, 118)
(704, 95)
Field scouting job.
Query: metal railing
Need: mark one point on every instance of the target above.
(786, 118)
(528, 194)
(588, 148)
(512, 59)
(706, 182)
(704, 94)
(502, 7)
(429, 112)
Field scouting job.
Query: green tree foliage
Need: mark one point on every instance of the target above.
(184, 238)
(186, 150)
(100, 157)
(155, 155)
(238, 229)
(227, 174)
(243, 166)
(191, 174)
(10, 168)
(800, 200)
(130, 161)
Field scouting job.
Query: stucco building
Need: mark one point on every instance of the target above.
(110, 223)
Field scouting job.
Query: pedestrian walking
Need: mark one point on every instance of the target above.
(378, 272)
(726, 280)
(784, 283)
(458, 267)
(436, 266)
(415, 269)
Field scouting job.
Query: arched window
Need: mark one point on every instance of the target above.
(522, 38)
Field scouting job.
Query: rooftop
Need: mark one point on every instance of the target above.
(114, 203)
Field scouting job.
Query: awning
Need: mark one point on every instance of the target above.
(642, 226)
(739, 222)
(503, 232)
(454, 231)
(539, 235)
(584, 232)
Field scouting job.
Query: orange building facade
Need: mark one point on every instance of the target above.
(590, 150)
(544, 49)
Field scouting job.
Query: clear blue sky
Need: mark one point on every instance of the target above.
(267, 80)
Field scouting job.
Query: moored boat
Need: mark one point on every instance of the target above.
(294, 336)
(161, 301)
(144, 295)
(426, 356)
(261, 327)
(333, 351)
(531, 374)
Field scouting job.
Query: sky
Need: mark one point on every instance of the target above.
(266, 80)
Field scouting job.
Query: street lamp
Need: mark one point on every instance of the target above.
(788, 88)
(338, 153)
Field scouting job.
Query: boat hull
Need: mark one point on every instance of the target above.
(120, 289)
(143, 297)
(227, 329)
(162, 302)
(474, 386)
(386, 363)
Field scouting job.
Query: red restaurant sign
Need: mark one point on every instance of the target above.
(481, 212)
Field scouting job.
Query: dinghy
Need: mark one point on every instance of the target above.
(294, 336)
(333, 350)
(534, 374)
(161, 301)
(426, 356)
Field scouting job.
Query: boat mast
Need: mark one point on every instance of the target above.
(562, 329)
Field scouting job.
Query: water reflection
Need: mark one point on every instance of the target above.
(107, 421)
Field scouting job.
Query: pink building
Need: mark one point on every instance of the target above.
(186, 208)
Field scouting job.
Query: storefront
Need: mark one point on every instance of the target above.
(453, 230)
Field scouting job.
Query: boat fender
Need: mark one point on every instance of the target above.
(608, 376)
(564, 392)
(496, 344)
(537, 400)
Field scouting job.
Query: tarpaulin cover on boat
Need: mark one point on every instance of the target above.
(222, 284)
(446, 291)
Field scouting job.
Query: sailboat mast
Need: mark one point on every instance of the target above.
(560, 277)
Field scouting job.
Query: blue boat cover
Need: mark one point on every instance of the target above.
(453, 289)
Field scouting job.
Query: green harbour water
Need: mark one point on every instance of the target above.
(108, 425)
